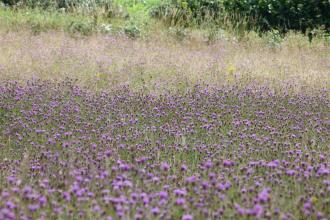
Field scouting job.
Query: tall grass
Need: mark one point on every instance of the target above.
(160, 61)
(39, 20)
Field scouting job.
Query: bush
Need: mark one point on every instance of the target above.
(9, 2)
(132, 30)
(283, 15)
(263, 15)
(84, 28)
(273, 38)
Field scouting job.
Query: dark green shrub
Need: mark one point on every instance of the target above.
(203, 9)
(84, 28)
(283, 14)
(262, 15)
(10, 2)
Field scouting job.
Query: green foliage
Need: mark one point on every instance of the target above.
(84, 28)
(274, 38)
(42, 20)
(214, 33)
(105, 28)
(35, 3)
(283, 14)
(132, 30)
(10, 2)
(85, 5)
(187, 12)
(257, 15)
(263, 15)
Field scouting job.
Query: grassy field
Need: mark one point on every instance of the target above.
(160, 61)
(172, 124)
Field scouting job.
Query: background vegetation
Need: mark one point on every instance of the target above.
(310, 17)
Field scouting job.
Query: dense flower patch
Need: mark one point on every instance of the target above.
(235, 153)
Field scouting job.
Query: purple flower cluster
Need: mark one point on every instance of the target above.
(208, 153)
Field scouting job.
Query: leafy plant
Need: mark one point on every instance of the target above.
(274, 38)
(187, 12)
(84, 28)
(132, 30)
(283, 14)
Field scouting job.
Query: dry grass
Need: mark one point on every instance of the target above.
(105, 62)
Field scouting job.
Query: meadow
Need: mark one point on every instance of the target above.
(107, 119)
